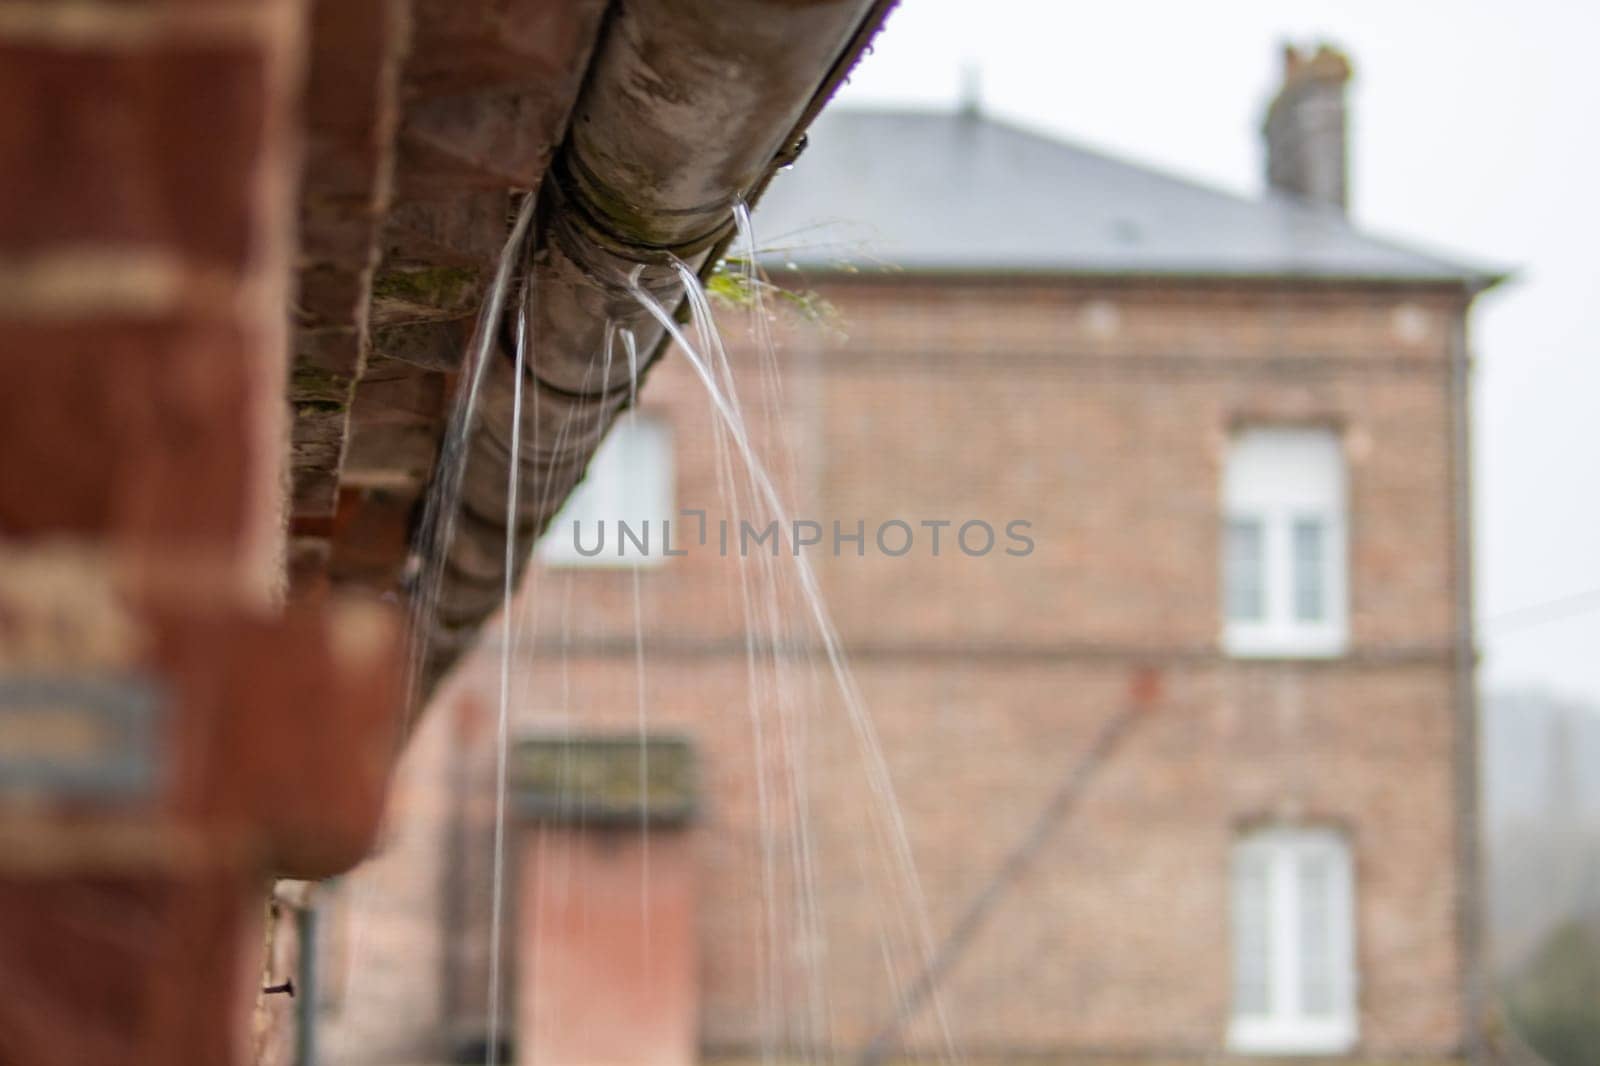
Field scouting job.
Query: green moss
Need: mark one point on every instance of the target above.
(623, 218)
(442, 287)
(319, 407)
(315, 383)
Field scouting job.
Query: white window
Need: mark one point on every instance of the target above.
(1293, 944)
(1283, 544)
(621, 506)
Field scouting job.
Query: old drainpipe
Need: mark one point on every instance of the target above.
(308, 989)
(1469, 871)
(690, 106)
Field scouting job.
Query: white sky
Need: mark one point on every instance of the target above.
(1474, 130)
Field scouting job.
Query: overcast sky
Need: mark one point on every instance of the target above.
(1474, 130)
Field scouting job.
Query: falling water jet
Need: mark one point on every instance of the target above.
(789, 739)
(437, 526)
(503, 717)
(517, 635)
(726, 408)
(766, 349)
(710, 342)
(710, 362)
(631, 348)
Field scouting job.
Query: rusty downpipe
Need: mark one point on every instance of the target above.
(689, 106)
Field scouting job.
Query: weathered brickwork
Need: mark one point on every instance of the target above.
(146, 232)
(1099, 413)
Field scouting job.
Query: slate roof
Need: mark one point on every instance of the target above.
(950, 192)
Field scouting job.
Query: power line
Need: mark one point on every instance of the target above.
(1538, 614)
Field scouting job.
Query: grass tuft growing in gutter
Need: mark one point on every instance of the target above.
(733, 284)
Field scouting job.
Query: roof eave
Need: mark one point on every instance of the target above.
(1473, 283)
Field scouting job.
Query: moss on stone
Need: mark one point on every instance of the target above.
(442, 287)
(310, 383)
(319, 407)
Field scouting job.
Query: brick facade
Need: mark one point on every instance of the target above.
(1098, 412)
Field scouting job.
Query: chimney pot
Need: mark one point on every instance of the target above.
(1305, 129)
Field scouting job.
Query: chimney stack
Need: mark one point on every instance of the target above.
(1305, 128)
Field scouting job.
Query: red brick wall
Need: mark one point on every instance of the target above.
(143, 281)
(146, 232)
(145, 273)
(1099, 413)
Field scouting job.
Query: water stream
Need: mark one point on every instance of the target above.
(795, 671)
(707, 355)
(443, 501)
(503, 710)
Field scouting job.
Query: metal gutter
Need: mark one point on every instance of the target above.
(689, 107)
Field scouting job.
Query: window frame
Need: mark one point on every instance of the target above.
(1266, 483)
(1285, 1028)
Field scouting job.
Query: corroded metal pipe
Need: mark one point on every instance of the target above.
(689, 107)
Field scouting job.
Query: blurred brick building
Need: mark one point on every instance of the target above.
(1235, 430)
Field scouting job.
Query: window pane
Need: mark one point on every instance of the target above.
(1293, 982)
(643, 486)
(1252, 949)
(1310, 569)
(628, 484)
(1243, 570)
(1316, 936)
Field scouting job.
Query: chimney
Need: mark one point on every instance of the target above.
(1305, 128)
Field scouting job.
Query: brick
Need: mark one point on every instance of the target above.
(123, 993)
(130, 430)
(297, 760)
(112, 152)
(493, 43)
